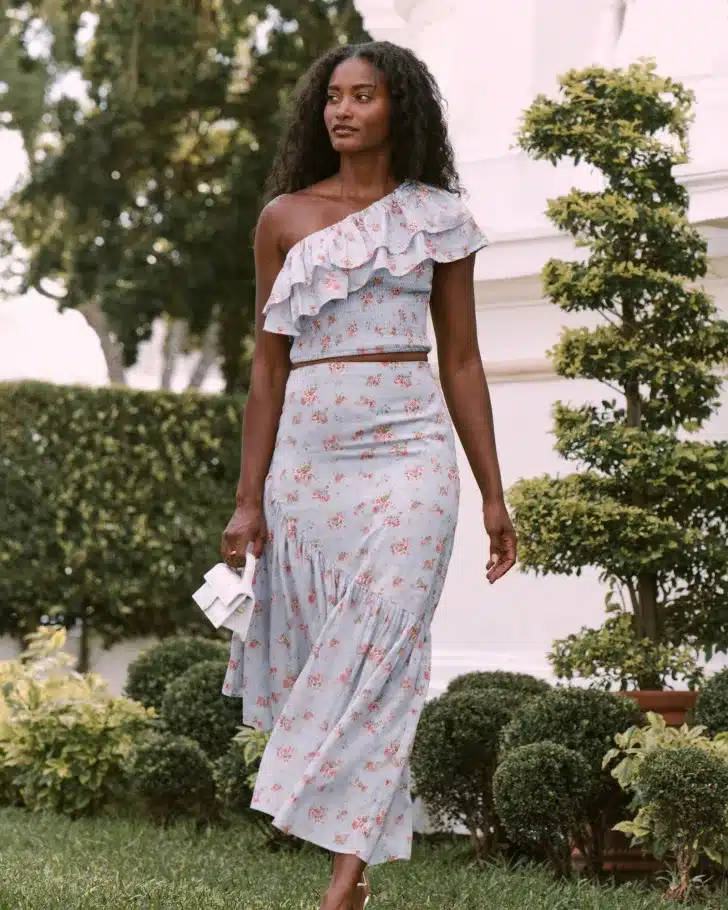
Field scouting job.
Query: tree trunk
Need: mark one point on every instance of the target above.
(84, 648)
(96, 318)
(208, 356)
(174, 341)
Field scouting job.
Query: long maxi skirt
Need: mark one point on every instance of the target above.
(361, 505)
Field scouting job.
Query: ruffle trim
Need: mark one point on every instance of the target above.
(289, 555)
(413, 224)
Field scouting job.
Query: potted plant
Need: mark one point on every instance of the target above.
(648, 502)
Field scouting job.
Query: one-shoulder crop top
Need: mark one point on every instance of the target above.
(363, 284)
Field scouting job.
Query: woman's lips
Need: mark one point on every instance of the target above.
(344, 130)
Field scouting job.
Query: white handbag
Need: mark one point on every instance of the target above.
(227, 598)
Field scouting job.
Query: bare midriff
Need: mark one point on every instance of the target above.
(366, 358)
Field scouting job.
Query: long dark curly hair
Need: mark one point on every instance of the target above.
(421, 148)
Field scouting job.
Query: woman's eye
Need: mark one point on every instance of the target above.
(363, 97)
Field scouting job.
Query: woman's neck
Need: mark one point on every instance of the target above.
(365, 176)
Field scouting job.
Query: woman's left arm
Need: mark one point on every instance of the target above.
(466, 392)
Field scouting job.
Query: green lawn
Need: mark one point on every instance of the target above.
(48, 863)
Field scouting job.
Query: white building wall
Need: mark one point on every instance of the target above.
(491, 59)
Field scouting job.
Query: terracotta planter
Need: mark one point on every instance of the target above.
(675, 706)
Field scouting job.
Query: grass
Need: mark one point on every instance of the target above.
(50, 863)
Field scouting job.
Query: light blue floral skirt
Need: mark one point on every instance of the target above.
(361, 504)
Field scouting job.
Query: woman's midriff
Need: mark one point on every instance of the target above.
(367, 358)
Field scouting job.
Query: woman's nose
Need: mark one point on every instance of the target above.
(344, 108)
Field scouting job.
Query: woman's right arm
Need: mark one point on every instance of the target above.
(270, 368)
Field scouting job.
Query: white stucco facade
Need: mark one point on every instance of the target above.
(491, 59)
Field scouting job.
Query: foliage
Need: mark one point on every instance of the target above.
(149, 674)
(194, 706)
(613, 657)
(522, 683)
(144, 194)
(586, 721)
(173, 778)
(455, 756)
(648, 505)
(234, 780)
(540, 793)
(635, 744)
(65, 738)
(655, 824)
(113, 504)
(711, 708)
(235, 774)
(683, 808)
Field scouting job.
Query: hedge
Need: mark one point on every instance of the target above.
(114, 501)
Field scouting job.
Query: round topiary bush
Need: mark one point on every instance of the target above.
(455, 755)
(173, 778)
(682, 793)
(151, 672)
(194, 706)
(540, 793)
(711, 710)
(587, 721)
(523, 683)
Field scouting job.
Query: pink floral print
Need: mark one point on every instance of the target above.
(361, 504)
(376, 268)
(342, 661)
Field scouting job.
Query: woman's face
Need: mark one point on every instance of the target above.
(357, 109)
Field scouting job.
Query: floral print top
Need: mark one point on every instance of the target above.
(363, 284)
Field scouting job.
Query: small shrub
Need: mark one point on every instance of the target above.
(173, 778)
(683, 808)
(232, 781)
(522, 683)
(711, 709)
(634, 745)
(151, 672)
(540, 793)
(194, 706)
(64, 740)
(454, 759)
(587, 721)
(235, 774)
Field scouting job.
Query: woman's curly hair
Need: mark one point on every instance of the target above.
(421, 148)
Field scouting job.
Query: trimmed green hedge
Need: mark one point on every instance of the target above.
(114, 501)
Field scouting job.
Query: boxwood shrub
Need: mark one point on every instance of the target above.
(682, 796)
(454, 759)
(173, 778)
(540, 793)
(586, 721)
(711, 710)
(194, 706)
(151, 672)
(499, 679)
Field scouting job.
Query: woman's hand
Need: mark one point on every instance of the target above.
(502, 534)
(246, 528)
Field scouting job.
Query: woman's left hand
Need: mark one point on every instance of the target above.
(502, 535)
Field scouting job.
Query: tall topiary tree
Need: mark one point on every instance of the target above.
(648, 504)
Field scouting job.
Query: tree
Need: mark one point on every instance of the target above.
(143, 195)
(648, 506)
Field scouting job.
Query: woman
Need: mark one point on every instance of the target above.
(349, 485)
